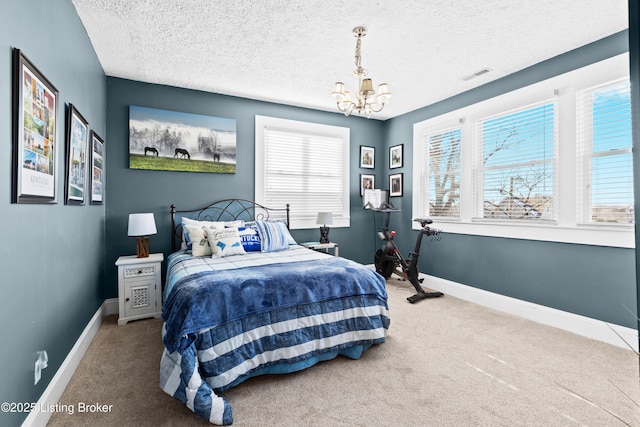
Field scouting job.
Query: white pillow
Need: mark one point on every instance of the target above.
(198, 237)
(188, 222)
(224, 242)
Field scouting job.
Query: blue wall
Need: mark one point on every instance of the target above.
(591, 281)
(51, 255)
(131, 190)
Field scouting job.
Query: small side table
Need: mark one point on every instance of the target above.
(139, 287)
(316, 246)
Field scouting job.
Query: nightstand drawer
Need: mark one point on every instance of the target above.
(139, 271)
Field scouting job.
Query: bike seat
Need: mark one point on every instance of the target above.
(423, 221)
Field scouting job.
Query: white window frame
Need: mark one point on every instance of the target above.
(586, 155)
(340, 219)
(566, 228)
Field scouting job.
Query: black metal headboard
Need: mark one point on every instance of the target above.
(224, 210)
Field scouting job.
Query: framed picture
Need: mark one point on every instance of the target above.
(395, 156)
(395, 184)
(76, 157)
(367, 182)
(34, 157)
(175, 141)
(97, 169)
(367, 157)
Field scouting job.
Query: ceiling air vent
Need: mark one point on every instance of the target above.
(476, 74)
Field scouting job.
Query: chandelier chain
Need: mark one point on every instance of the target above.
(358, 63)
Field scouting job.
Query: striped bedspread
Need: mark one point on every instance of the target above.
(238, 340)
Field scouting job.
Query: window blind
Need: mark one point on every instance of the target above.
(305, 170)
(441, 168)
(515, 161)
(605, 172)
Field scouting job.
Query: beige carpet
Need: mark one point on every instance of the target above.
(446, 362)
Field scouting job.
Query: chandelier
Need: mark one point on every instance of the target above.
(366, 100)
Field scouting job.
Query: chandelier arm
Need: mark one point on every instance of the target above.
(378, 109)
(345, 108)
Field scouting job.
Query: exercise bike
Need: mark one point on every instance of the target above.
(389, 259)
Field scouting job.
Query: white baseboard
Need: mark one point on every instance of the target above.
(581, 325)
(54, 390)
(111, 306)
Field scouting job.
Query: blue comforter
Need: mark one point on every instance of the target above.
(196, 302)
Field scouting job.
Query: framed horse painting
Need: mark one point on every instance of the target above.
(176, 141)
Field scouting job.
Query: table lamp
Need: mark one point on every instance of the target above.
(142, 225)
(324, 218)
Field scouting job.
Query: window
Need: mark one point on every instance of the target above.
(605, 164)
(441, 161)
(551, 161)
(305, 165)
(515, 162)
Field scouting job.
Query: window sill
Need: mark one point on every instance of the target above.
(598, 235)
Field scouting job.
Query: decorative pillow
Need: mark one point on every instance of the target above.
(188, 222)
(198, 241)
(285, 230)
(224, 242)
(274, 236)
(249, 238)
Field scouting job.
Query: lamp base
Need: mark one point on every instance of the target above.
(324, 234)
(142, 247)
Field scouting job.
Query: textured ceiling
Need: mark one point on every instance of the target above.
(292, 52)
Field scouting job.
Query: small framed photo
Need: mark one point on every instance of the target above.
(395, 185)
(97, 169)
(77, 158)
(367, 157)
(367, 182)
(34, 158)
(395, 156)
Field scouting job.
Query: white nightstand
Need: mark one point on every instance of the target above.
(322, 246)
(139, 287)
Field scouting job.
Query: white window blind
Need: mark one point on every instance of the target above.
(605, 173)
(306, 166)
(515, 164)
(441, 169)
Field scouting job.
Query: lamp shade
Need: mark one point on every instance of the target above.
(338, 91)
(383, 92)
(324, 218)
(367, 87)
(142, 224)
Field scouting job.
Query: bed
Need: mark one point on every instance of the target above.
(243, 299)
